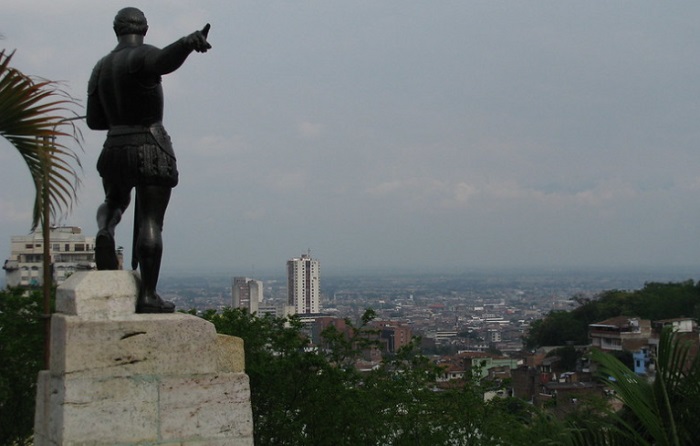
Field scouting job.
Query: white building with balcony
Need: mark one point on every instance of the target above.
(620, 333)
(70, 251)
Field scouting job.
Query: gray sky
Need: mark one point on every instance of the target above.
(402, 133)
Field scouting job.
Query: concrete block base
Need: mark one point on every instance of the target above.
(120, 378)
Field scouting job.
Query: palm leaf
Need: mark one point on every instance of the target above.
(678, 386)
(32, 119)
(636, 393)
(662, 412)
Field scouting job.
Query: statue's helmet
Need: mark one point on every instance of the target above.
(130, 21)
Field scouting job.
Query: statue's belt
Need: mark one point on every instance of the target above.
(155, 131)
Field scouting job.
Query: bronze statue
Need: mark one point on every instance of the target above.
(125, 97)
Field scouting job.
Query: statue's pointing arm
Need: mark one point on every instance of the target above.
(174, 55)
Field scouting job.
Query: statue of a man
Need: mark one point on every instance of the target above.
(125, 97)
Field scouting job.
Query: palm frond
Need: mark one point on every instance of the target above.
(678, 386)
(663, 411)
(632, 390)
(33, 119)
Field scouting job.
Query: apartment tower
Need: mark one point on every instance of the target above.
(247, 293)
(303, 285)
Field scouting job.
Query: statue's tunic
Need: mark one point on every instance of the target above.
(138, 155)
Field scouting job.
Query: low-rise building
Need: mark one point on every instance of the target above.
(679, 325)
(619, 333)
(479, 364)
(392, 334)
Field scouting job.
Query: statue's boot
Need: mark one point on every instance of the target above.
(154, 304)
(105, 251)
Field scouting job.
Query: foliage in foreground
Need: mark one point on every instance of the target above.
(302, 396)
(21, 347)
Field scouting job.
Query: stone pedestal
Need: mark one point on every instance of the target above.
(120, 378)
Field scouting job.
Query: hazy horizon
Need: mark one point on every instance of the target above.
(653, 274)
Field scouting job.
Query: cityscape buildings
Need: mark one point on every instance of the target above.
(247, 293)
(70, 251)
(303, 285)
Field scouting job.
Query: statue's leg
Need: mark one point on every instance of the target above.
(109, 214)
(152, 202)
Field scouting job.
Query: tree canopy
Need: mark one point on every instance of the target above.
(21, 339)
(302, 395)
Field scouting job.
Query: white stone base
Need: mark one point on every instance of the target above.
(120, 378)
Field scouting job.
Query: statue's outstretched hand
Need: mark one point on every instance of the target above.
(198, 40)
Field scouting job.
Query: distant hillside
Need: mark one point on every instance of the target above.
(655, 301)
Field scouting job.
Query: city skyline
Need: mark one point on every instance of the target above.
(401, 135)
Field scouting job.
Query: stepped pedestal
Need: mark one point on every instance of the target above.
(120, 378)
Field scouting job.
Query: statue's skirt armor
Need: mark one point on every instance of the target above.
(138, 156)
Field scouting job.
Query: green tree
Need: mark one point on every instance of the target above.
(302, 395)
(558, 328)
(668, 300)
(20, 361)
(286, 378)
(568, 356)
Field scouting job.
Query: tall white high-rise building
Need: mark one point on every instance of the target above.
(247, 293)
(303, 285)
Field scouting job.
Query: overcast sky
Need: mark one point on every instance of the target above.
(401, 133)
